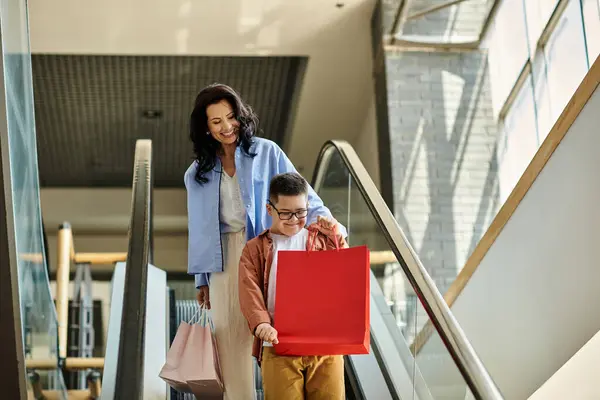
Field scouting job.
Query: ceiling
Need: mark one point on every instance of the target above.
(98, 65)
(90, 110)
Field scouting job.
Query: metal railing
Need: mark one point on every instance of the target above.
(129, 373)
(470, 366)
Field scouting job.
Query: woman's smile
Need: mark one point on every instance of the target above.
(229, 133)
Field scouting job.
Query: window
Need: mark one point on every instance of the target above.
(541, 96)
(519, 137)
(591, 21)
(508, 50)
(538, 12)
(566, 59)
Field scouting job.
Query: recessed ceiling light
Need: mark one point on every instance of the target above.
(152, 114)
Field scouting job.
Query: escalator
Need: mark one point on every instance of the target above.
(144, 313)
(398, 279)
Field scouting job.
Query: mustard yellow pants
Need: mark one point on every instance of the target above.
(302, 378)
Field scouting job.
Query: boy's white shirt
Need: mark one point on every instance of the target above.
(282, 243)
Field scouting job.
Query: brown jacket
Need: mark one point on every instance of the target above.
(255, 267)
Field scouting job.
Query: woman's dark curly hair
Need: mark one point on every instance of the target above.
(206, 148)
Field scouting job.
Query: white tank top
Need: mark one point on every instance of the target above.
(233, 212)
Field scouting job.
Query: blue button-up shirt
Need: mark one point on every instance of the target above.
(254, 175)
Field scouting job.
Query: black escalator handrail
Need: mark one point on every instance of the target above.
(470, 366)
(129, 381)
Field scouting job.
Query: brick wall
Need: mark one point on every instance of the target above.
(444, 172)
(442, 139)
(442, 144)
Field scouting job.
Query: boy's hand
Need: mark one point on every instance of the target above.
(267, 333)
(327, 226)
(203, 297)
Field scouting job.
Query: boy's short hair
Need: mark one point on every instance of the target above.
(287, 184)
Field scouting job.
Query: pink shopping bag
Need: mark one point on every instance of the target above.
(192, 364)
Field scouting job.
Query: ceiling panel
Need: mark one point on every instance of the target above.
(89, 110)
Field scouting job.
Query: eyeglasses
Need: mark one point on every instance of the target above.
(287, 215)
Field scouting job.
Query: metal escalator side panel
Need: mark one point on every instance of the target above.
(393, 352)
(389, 370)
(157, 329)
(114, 333)
(156, 339)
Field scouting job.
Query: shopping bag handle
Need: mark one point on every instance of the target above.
(204, 319)
(312, 237)
(194, 318)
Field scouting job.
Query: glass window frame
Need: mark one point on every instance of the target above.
(535, 72)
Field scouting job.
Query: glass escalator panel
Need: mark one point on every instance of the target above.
(38, 314)
(434, 361)
(340, 193)
(432, 374)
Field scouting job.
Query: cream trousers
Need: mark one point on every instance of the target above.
(234, 340)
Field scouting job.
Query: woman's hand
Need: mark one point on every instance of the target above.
(266, 333)
(327, 226)
(203, 297)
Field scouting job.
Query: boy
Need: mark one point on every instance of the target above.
(284, 377)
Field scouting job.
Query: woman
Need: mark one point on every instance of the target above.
(227, 187)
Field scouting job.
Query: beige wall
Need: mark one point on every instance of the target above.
(100, 219)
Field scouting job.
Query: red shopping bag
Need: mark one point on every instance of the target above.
(322, 302)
